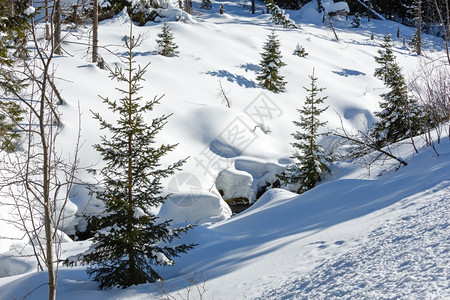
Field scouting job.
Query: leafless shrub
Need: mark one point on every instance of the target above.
(224, 95)
(195, 290)
(35, 181)
(361, 146)
(431, 85)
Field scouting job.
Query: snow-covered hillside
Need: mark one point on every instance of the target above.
(356, 235)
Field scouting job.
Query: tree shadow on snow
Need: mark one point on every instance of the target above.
(239, 79)
(233, 244)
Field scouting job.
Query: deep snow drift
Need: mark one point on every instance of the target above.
(382, 234)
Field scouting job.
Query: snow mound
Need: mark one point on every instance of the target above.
(235, 184)
(258, 168)
(195, 207)
(336, 6)
(173, 14)
(10, 266)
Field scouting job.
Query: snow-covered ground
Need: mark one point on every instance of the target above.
(376, 235)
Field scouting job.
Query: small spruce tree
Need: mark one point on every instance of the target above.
(206, 4)
(400, 116)
(386, 58)
(300, 51)
(310, 159)
(166, 45)
(356, 22)
(416, 42)
(270, 65)
(128, 239)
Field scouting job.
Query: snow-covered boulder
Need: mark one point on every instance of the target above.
(196, 207)
(235, 184)
(331, 7)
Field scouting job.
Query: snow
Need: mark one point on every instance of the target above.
(29, 11)
(161, 258)
(197, 207)
(235, 184)
(358, 234)
(139, 213)
(336, 6)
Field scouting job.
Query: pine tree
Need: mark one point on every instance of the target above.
(206, 4)
(278, 15)
(166, 45)
(128, 239)
(400, 116)
(356, 22)
(270, 65)
(416, 41)
(14, 25)
(300, 51)
(385, 59)
(311, 160)
(10, 115)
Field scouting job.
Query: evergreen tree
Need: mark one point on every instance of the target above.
(311, 160)
(14, 17)
(128, 239)
(386, 58)
(10, 115)
(356, 22)
(270, 65)
(416, 42)
(206, 4)
(14, 24)
(300, 51)
(278, 15)
(400, 116)
(166, 45)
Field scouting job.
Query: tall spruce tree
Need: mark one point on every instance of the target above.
(310, 159)
(400, 116)
(14, 25)
(128, 239)
(166, 45)
(270, 64)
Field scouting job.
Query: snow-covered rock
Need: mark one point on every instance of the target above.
(235, 184)
(336, 6)
(196, 207)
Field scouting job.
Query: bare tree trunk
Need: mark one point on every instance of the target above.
(57, 31)
(418, 37)
(95, 33)
(47, 21)
(46, 195)
(445, 28)
(332, 26)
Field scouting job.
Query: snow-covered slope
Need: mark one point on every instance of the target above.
(352, 236)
